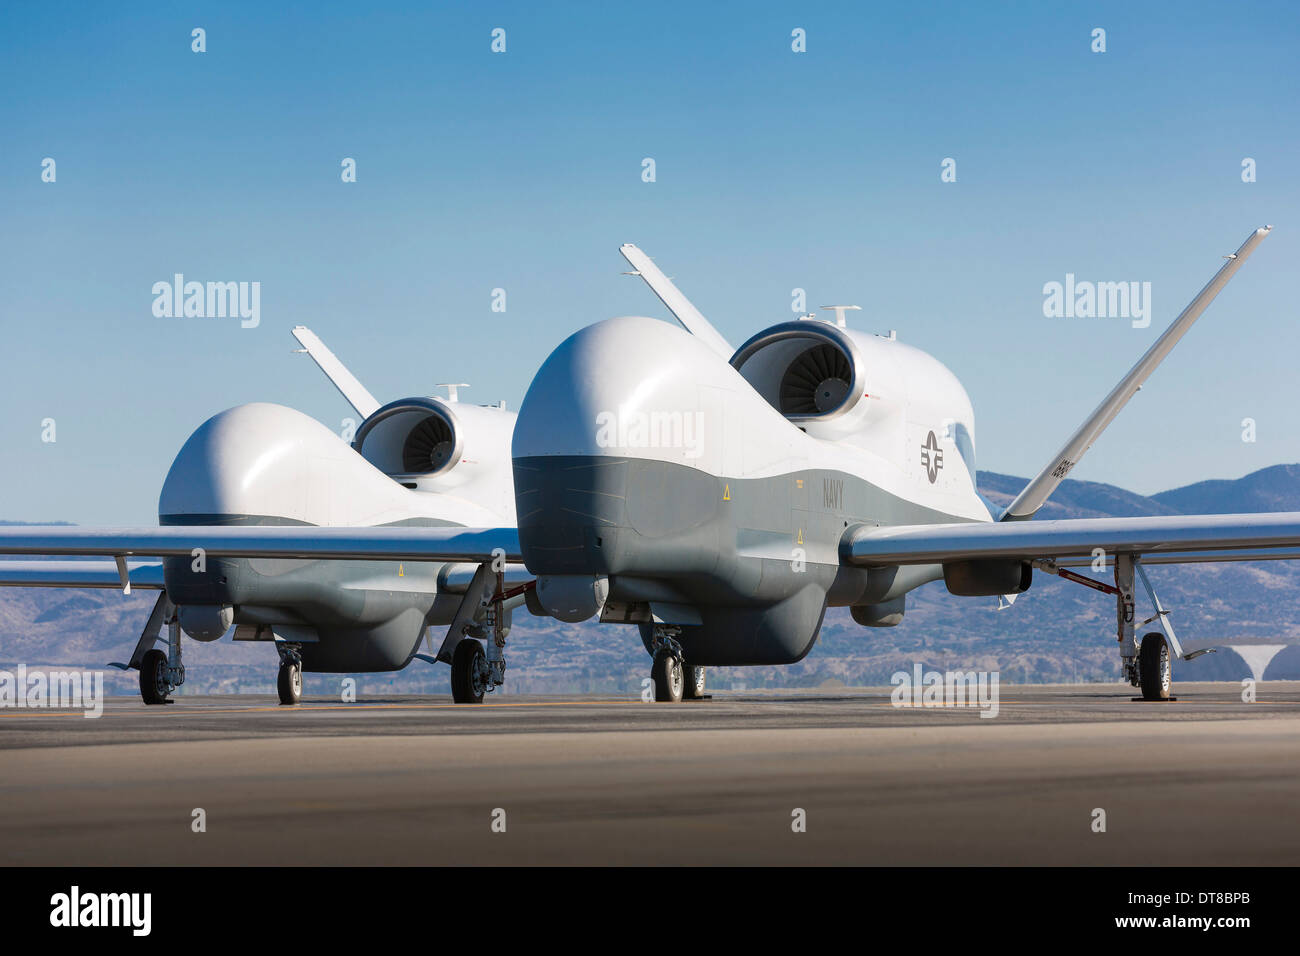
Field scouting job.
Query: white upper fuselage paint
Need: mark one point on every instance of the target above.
(270, 461)
(637, 371)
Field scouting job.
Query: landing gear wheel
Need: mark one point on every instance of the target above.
(693, 679)
(289, 683)
(469, 672)
(1155, 673)
(154, 687)
(668, 678)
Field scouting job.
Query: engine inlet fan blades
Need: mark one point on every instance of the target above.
(428, 446)
(816, 382)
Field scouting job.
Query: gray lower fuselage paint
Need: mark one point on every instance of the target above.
(758, 559)
(368, 615)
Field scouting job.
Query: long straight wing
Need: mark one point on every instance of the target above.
(389, 543)
(1046, 481)
(1197, 536)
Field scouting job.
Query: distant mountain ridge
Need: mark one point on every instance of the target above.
(1276, 488)
(1074, 499)
(1270, 489)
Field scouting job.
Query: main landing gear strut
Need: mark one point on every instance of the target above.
(475, 645)
(161, 673)
(1147, 665)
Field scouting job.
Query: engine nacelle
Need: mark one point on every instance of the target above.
(809, 371)
(430, 444)
(841, 384)
(412, 438)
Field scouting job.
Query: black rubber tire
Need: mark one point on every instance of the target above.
(468, 664)
(692, 682)
(669, 679)
(152, 671)
(289, 684)
(1155, 670)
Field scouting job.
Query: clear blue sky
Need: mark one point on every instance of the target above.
(522, 170)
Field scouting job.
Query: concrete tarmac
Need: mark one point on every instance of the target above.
(1206, 780)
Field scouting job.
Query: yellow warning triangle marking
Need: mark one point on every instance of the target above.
(800, 541)
(401, 570)
(726, 493)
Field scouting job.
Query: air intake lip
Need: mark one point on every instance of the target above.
(411, 437)
(817, 376)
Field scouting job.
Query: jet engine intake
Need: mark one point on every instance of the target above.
(807, 370)
(411, 436)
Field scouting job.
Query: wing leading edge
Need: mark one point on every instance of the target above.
(1162, 539)
(389, 543)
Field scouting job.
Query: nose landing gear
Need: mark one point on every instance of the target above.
(666, 672)
(669, 671)
(289, 680)
(694, 689)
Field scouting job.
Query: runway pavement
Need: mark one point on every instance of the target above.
(1208, 779)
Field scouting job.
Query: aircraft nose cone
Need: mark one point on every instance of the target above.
(621, 387)
(613, 440)
(253, 461)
